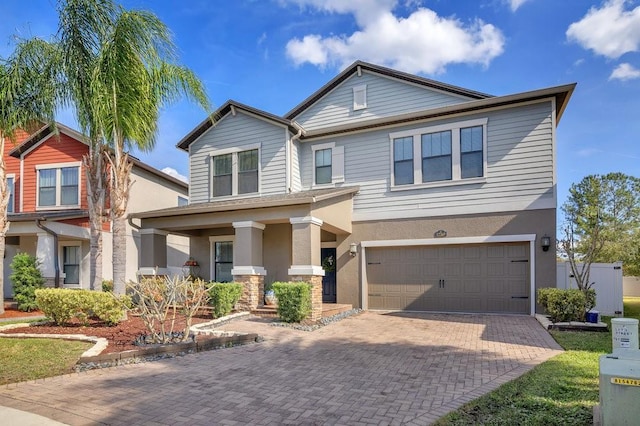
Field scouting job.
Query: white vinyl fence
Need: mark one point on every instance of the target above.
(631, 286)
(607, 279)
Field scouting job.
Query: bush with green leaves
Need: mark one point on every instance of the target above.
(62, 305)
(294, 300)
(107, 286)
(26, 278)
(563, 305)
(223, 297)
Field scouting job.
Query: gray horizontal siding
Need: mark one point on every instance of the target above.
(240, 131)
(519, 166)
(385, 97)
(296, 183)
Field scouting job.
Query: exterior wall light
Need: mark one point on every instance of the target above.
(353, 249)
(545, 242)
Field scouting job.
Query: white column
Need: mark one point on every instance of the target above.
(44, 252)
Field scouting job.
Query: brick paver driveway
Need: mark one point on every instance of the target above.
(369, 369)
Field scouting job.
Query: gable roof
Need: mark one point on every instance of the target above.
(229, 107)
(48, 129)
(358, 66)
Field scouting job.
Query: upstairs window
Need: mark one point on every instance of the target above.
(235, 172)
(182, 201)
(328, 164)
(10, 189)
(446, 154)
(58, 186)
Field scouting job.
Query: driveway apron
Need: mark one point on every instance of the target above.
(373, 368)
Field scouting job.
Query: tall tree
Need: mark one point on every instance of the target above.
(135, 76)
(82, 32)
(29, 87)
(602, 223)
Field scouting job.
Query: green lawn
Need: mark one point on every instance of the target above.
(29, 359)
(560, 391)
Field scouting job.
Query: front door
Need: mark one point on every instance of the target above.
(328, 256)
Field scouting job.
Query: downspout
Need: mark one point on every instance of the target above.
(56, 265)
(290, 162)
(133, 225)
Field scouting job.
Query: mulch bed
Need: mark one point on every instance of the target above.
(121, 337)
(10, 313)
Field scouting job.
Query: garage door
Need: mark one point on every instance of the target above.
(456, 278)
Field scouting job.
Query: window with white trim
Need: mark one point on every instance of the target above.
(235, 172)
(360, 97)
(182, 201)
(328, 164)
(453, 153)
(71, 256)
(58, 186)
(221, 248)
(10, 189)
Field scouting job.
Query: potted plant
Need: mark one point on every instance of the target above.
(269, 296)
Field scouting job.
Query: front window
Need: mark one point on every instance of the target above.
(471, 163)
(323, 166)
(59, 187)
(10, 189)
(235, 173)
(71, 264)
(223, 261)
(403, 160)
(436, 156)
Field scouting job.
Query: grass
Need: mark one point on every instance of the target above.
(30, 359)
(560, 391)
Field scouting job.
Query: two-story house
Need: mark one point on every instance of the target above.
(402, 192)
(48, 208)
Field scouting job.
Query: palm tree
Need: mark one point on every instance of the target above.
(29, 87)
(135, 76)
(82, 30)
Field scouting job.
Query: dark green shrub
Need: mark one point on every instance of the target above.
(294, 300)
(26, 278)
(107, 286)
(590, 299)
(223, 296)
(61, 305)
(563, 305)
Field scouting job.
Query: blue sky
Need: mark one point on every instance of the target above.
(272, 54)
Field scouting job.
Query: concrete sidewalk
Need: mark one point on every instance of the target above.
(11, 416)
(373, 368)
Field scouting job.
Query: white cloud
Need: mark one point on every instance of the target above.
(515, 4)
(610, 31)
(625, 72)
(423, 42)
(174, 173)
(588, 152)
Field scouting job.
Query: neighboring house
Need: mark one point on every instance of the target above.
(48, 211)
(403, 192)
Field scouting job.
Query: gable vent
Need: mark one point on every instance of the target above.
(360, 97)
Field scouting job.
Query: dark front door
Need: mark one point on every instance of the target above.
(329, 280)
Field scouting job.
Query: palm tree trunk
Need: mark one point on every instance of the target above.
(4, 223)
(120, 185)
(96, 177)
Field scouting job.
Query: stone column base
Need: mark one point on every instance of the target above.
(50, 282)
(316, 293)
(252, 291)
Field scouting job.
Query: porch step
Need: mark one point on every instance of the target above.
(10, 304)
(328, 309)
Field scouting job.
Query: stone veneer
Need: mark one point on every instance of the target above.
(316, 293)
(252, 291)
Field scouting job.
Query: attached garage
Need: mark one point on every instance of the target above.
(480, 277)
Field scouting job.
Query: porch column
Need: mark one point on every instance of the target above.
(153, 251)
(247, 263)
(305, 233)
(45, 253)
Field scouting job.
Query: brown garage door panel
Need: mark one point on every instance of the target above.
(471, 278)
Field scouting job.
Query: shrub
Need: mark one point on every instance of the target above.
(107, 286)
(158, 300)
(294, 300)
(563, 305)
(61, 305)
(223, 296)
(26, 278)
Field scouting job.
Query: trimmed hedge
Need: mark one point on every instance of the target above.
(223, 297)
(61, 305)
(294, 300)
(565, 305)
(26, 279)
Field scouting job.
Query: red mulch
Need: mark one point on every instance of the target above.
(14, 313)
(120, 337)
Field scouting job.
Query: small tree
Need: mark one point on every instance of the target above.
(26, 278)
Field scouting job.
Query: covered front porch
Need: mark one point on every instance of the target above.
(254, 241)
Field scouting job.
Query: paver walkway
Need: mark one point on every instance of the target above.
(369, 369)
